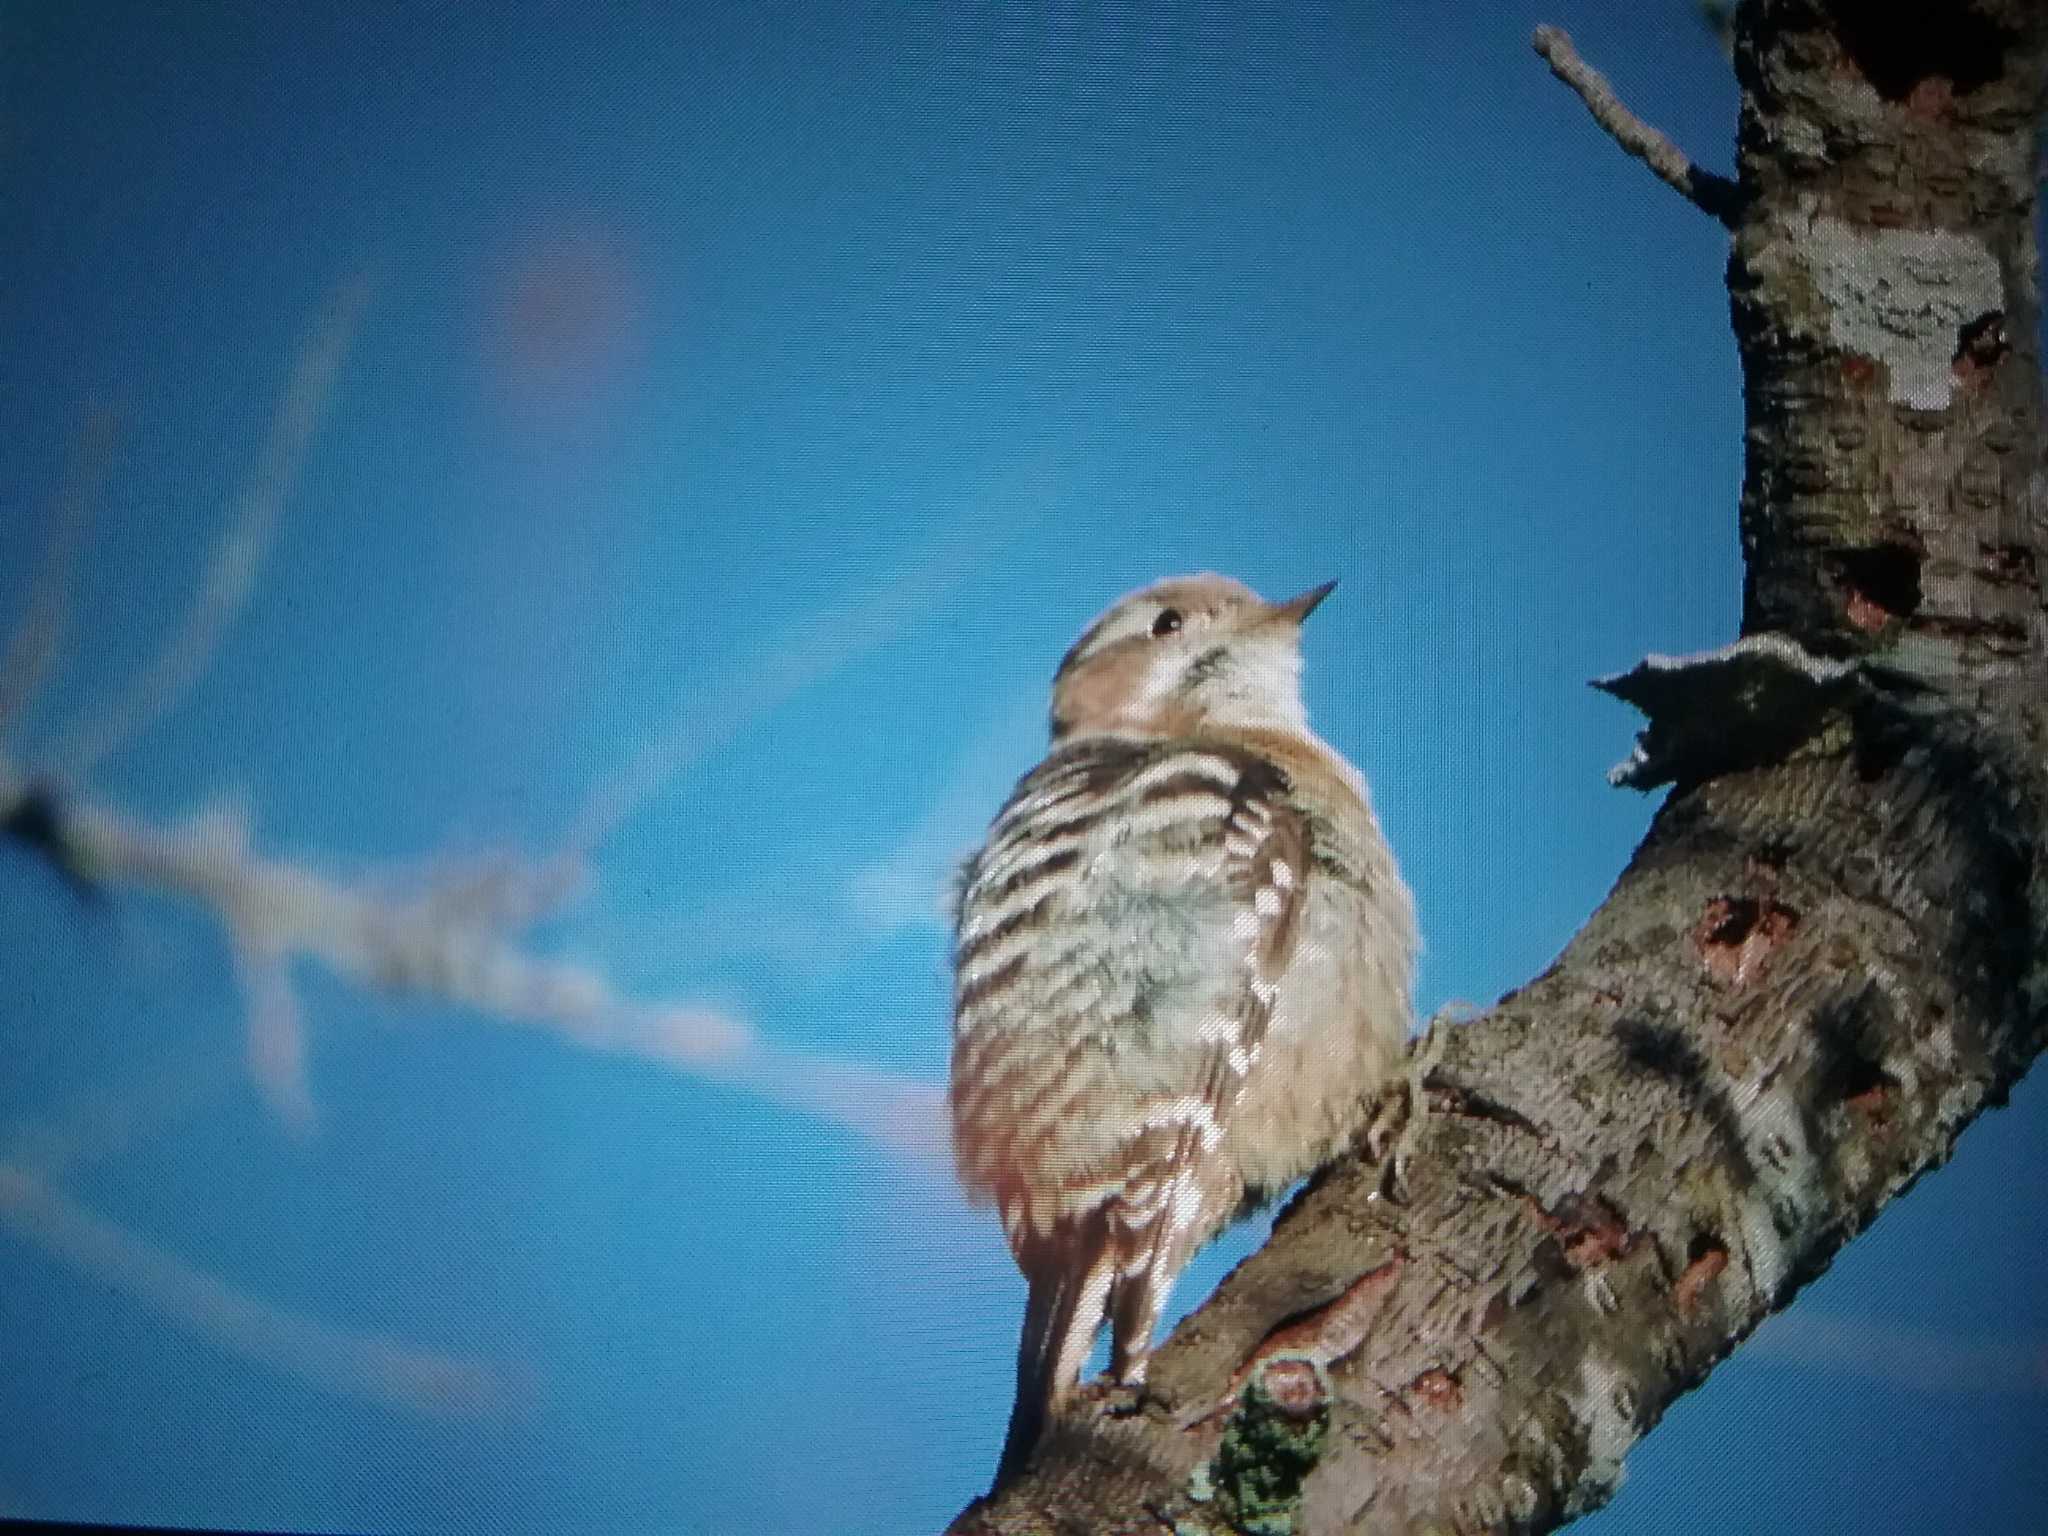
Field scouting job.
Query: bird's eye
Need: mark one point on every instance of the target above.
(1167, 623)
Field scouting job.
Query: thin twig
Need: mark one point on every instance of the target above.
(34, 643)
(237, 560)
(107, 1117)
(1713, 194)
(451, 943)
(812, 649)
(359, 1364)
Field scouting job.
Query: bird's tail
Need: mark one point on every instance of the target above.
(1069, 1295)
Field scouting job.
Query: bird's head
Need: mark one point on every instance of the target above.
(1185, 654)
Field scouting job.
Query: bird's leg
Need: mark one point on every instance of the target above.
(1391, 1145)
(1134, 1314)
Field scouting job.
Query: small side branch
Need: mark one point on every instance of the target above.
(1756, 701)
(1715, 195)
(33, 647)
(237, 563)
(373, 1366)
(459, 936)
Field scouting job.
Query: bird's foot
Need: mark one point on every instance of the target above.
(1391, 1137)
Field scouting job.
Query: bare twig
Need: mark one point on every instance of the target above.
(813, 649)
(106, 1117)
(1713, 194)
(238, 559)
(359, 1364)
(276, 1033)
(459, 943)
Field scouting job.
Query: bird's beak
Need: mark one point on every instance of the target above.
(1295, 609)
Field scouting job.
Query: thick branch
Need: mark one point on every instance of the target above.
(1810, 978)
(1883, 285)
(1825, 958)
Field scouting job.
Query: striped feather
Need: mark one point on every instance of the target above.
(1119, 944)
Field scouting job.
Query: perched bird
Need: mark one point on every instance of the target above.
(1182, 966)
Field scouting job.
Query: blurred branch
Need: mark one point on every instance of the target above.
(1827, 956)
(106, 1117)
(1712, 194)
(811, 649)
(361, 1365)
(34, 643)
(458, 940)
(458, 934)
(157, 688)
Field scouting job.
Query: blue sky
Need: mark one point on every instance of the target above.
(743, 412)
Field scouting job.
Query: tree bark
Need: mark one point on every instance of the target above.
(1825, 958)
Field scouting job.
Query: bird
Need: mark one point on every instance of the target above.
(1183, 962)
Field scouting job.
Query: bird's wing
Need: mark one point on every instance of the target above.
(1120, 939)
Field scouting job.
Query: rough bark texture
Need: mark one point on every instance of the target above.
(1882, 285)
(1825, 959)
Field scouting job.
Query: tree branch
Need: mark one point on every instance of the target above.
(1712, 194)
(33, 646)
(156, 689)
(1824, 960)
(457, 939)
(363, 1365)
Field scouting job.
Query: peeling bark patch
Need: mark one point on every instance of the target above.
(1865, 614)
(1874, 1101)
(1588, 1230)
(1848, 1074)
(1708, 1259)
(1595, 1234)
(1902, 297)
(1437, 1388)
(2007, 565)
(1737, 935)
(1295, 1388)
(1932, 98)
(1323, 1335)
